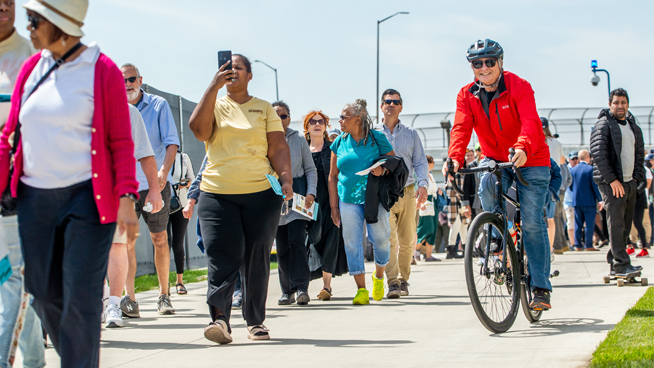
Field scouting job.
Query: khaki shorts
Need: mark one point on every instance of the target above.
(570, 214)
(120, 239)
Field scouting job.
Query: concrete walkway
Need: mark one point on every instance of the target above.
(435, 325)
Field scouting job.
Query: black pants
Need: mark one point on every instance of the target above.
(66, 250)
(292, 257)
(639, 215)
(238, 230)
(620, 215)
(177, 225)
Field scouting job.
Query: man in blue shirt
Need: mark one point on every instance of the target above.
(585, 199)
(406, 144)
(162, 132)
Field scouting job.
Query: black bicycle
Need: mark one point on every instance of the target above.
(496, 270)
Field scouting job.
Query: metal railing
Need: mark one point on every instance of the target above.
(572, 124)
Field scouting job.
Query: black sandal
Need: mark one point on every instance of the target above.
(181, 290)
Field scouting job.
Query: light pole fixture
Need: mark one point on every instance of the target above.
(595, 79)
(276, 85)
(446, 124)
(377, 102)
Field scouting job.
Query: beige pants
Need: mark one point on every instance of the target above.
(646, 224)
(403, 232)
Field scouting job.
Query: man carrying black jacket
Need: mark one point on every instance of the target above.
(616, 143)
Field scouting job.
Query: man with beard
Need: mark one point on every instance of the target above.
(164, 141)
(616, 143)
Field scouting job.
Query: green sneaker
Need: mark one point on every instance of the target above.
(362, 297)
(377, 287)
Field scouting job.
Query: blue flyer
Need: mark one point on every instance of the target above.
(274, 183)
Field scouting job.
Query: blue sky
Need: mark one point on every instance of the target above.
(326, 51)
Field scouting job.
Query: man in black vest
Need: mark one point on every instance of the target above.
(616, 143)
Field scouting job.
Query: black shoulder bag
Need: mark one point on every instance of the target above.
(7, 202)
(175, 202)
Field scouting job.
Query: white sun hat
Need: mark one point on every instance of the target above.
(68, 15)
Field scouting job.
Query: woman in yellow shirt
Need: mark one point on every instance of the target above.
(238, 209)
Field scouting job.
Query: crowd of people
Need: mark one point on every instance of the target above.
(85, 152)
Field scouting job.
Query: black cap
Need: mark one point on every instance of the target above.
(544, 122)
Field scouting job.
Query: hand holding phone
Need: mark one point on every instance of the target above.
(225, 72)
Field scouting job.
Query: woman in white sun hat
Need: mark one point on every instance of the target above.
(74, 174)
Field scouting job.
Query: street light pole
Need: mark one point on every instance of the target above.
(593, 65)
(275, 70)
(378, 23)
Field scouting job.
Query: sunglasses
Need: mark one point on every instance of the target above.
(130, 79)
(396, 102)
(343, 117)
(284, 116)
(34, 21)
(478, 64)
(575, 158)
(316, 122)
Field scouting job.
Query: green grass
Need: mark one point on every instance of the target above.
(150, 282)
(631, 343)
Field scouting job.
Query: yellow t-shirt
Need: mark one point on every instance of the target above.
(238, 148)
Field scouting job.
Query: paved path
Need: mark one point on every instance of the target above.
(434, 325)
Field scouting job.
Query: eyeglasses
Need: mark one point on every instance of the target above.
(284, 116)
(396, 102)
(34, 21)
(343, 117)
(131, 79)
(478, 64)
(316, 122)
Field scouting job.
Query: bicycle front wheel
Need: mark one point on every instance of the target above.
(494, 289)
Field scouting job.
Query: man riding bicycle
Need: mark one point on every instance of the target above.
(500, 107)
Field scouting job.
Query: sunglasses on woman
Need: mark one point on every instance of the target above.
(316, 122)
(34, 21)
(478, 64)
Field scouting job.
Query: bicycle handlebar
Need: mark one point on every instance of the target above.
(492, 167)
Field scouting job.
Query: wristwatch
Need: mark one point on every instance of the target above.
(130, 196)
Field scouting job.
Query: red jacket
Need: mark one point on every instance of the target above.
(513, 122)
(112, 150)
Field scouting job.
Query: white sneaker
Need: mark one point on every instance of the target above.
(113, 317)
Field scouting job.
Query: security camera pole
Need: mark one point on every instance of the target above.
(595, 79)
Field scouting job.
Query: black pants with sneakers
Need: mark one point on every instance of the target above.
(620, 215)
(66, 249)
(292, 257)
(238, 230)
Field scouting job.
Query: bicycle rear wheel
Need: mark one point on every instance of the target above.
(494, 291)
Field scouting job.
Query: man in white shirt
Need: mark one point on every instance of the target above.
(118, 260)
(14, 50)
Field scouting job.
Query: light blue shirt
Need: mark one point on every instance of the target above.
(161, 129)
(406, 144)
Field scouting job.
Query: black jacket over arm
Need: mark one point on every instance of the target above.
(385, 190)
(606, 147)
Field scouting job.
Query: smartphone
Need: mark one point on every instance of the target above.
(223, 57)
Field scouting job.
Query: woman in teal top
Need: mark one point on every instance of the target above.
(353, 151)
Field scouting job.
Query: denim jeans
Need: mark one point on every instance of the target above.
(532, 201)
(379, 233)
(30, 342)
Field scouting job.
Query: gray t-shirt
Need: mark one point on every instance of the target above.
(142, 147)
(628, 154)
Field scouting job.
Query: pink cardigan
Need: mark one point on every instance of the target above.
(112, 150)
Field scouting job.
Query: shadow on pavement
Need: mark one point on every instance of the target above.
(340, 343)
(559, 326)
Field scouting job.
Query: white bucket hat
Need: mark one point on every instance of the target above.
(68, 15)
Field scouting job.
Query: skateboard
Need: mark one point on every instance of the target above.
(626, 280)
